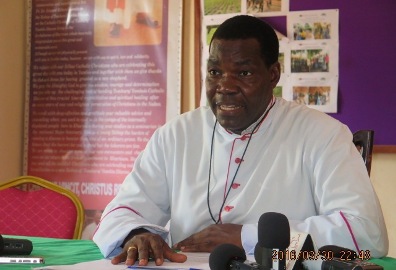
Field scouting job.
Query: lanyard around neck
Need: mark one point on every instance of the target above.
(239, 165)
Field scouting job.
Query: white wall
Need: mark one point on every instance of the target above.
(12, 54)
(383, 177)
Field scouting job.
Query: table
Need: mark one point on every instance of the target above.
(65, 251)
(58, 252)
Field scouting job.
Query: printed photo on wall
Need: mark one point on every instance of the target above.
(127, 22)
(318, 93)
(266, 7)
(259, 8)
(313, 25)
(314, 57)
(217, 7)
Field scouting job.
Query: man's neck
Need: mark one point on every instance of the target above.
(250, 129)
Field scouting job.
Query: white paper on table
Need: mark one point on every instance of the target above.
(194, 260)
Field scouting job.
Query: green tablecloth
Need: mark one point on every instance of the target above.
(62, 252)
(388, 263)
(58, 252)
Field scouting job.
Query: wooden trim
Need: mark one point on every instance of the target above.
(384, 149)
(197, 49)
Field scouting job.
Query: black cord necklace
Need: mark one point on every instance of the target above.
(239, 165)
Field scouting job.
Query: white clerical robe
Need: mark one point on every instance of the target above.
(300, 162)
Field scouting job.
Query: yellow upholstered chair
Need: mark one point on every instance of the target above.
(364, 141)
(31, 206)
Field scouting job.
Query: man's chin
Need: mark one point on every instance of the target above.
(230, 126)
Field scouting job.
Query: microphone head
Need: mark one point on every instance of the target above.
(263, 256)
(222, 255)
(339, 252)
(273, 231)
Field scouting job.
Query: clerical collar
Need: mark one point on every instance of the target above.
(250, 129)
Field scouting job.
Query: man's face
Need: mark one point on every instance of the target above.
(238, 84)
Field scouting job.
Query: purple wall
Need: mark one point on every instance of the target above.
(367, 64)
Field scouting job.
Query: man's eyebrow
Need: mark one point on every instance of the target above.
(212, 61)
(242, 62)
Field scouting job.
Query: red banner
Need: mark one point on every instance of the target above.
(99, 84)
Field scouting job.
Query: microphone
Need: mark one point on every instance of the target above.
(339, 252)
(231, 257)
(273, 240)
(347, 259)
(14, 246)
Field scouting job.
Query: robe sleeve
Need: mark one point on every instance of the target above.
(141, 202)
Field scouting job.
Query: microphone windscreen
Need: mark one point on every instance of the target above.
(339, 252)
(263, 256)
(222, 255)
(273, 231)
(257, 253)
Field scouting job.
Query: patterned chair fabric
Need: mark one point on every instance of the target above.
(31, 206)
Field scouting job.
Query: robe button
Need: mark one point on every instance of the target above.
(238, 160)
(228, 208)
(235, 185)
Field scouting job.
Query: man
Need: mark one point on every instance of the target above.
(214, 171)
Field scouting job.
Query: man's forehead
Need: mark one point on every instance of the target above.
(227, 45)
(234, 49)
(235, 40)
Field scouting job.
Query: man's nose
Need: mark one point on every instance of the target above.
(227, 85)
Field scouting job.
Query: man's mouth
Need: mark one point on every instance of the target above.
(229, 107)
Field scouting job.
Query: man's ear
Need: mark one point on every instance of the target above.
(275, 70)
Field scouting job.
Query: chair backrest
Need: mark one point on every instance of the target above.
(364, 141)
(31, 206)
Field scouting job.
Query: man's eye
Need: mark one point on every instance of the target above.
(245, 73)
(213, 72)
